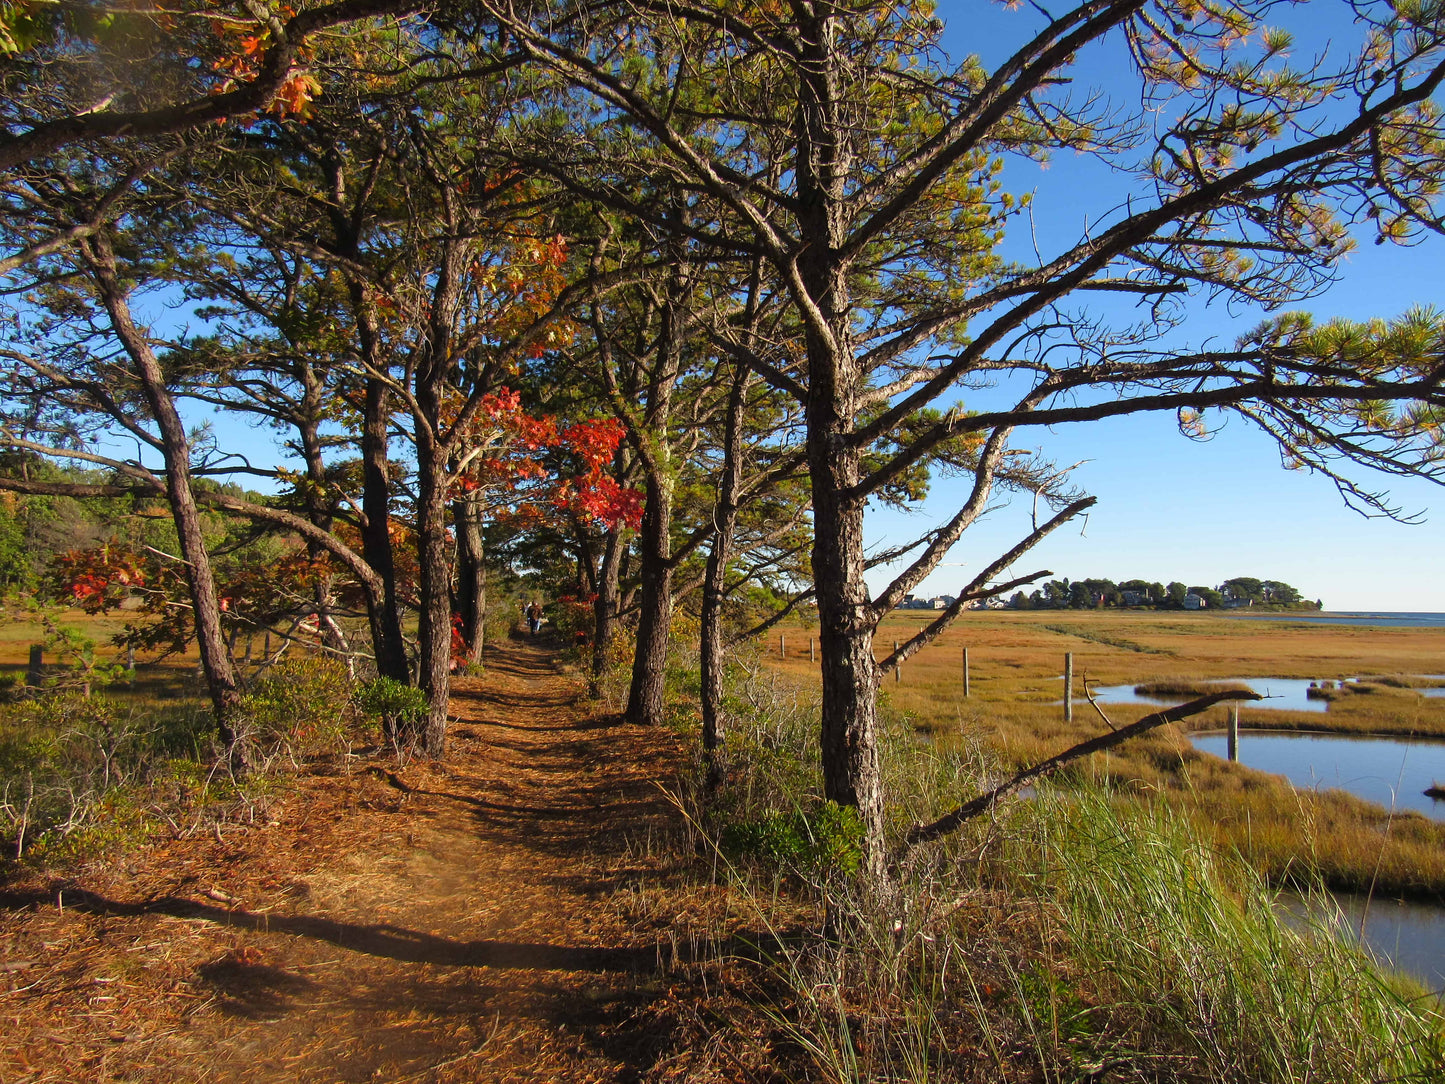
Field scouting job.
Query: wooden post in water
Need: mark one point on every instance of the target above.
(965, 672)
(130, 657)
(1233, 739)
(897, 667)
(1068, 687)
(35, 672)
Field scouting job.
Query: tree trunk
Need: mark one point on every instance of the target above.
(725, 518)
(383, 613)
(849, 737)
(471, 599)
(318, 513)
(849, 726)
(646, 697)
(434, 632)
(604, 609)
(714, 729)
(385, 619)
(175, 447)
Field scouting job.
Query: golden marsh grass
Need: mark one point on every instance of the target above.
(1014, 714)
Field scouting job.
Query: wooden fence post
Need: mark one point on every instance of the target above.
(811, 656)
(782, 646)
(1233, 739)
(965, 672)
(1069, 687)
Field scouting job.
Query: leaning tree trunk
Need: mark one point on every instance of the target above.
(175, 447)
(646, 697)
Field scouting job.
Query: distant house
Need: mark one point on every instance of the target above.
(942, 602)
(1195, 602)
(1134, 598)
(913, 602)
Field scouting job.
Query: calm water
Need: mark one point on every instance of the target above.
(1391, 619)
(1388, 771)
(1408, 936)
(1285, 694)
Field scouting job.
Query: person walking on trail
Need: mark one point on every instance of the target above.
(534, 618)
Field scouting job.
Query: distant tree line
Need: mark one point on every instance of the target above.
(1092, 594)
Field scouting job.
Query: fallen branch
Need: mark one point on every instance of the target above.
(924, 833)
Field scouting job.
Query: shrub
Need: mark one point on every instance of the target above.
(301, 703)
(69, 767)
(829, 841)
(399, 708)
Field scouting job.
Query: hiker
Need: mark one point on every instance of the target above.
(534, 618)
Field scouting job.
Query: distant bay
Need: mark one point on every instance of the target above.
(1383, 618)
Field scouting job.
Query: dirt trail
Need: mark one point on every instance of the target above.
(499, 918)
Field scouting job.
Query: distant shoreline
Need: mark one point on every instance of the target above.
(1410, 619)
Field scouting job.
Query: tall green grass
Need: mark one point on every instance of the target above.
(1191, 941)
(1077, 935)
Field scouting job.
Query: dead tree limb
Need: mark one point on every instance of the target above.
(924, 833)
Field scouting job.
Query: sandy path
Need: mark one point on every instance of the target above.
(496, 919)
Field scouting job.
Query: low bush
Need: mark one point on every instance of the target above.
(398, 708)
(71, 767)
(83, 776)
(300, 705)
(823, 842)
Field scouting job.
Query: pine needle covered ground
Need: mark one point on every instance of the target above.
(505, 917)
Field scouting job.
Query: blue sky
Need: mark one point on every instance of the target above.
(1171, 508)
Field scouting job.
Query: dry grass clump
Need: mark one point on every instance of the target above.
(1189, 936)
(1186, 687)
